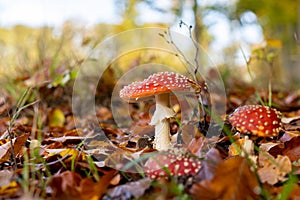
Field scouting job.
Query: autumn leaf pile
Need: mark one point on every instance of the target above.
(54, 158)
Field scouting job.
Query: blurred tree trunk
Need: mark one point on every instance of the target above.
(200, 30)
(198, 21)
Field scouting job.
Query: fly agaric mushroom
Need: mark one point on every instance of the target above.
(261, 121)
(168, 163)
(160, 85)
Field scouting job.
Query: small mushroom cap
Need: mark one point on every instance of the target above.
(166, 163)
(158, 83)
(258, 120)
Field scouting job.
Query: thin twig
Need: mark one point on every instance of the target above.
(170, 40)
(191, 66)
(196, 68)
(189, 27)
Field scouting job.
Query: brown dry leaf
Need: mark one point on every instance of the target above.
(18, 143)
(4, 123)
(120, 159)
(66, 185)
(233, 180)
(200, 145)
(288, 135)
(5, 103)
(104, 114)
(195, 146)
(293, 195)
(273, 170)
(209, 164)
(142, 131)
(70, 185)
(54, 145)
(290, 120)
(92, 190)
(266, 146)
(133, 189)
(192, 136)
(5, 177)
(290, 148)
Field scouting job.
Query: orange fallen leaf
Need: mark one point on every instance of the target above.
(9, 190)
(70, 185)
(233, 180)
(92, 190)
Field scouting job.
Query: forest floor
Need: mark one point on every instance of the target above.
(55, 158)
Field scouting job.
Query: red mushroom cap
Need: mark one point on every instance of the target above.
(158, 83)
(166, 163)
(257, 120)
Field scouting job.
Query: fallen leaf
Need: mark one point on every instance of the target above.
(104, 114)
(5, 177)
(74, 154)
(56, 118)
(9, 190)
(233, 180)
(95, 190)
(4, 123)
(294, 193)
(288, 120)
(196, 146)
(135, 189)
(273, 170)
(65, 185)
(290, 148)
(209, 164)
(4, 103)
(243, 146)
(288, 135)
(190, 134)
(70, 185)
(266, 146)
(18, 144)
(65, 140)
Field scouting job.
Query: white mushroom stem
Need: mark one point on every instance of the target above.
(160, 120)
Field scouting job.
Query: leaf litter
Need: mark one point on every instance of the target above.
(100, 161)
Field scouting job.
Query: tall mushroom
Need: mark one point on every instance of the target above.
(160, 85)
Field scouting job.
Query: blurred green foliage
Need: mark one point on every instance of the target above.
(52, 54)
